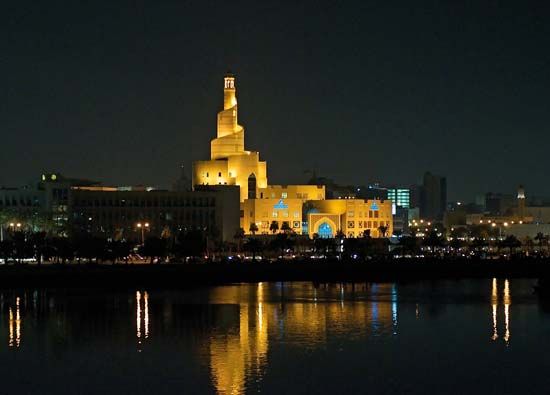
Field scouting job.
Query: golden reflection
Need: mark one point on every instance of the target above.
(15, 325)
(10, 342)
(494, 305)
(507, 299)
(138, 316)
(235, 353)
(146, 314)
(142, 316)
(239, 345)
(507, 302)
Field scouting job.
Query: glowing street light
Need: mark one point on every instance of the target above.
(143, 227)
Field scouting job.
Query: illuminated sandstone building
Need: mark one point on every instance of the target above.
(229, 163)
(352, 216)
(267, 208)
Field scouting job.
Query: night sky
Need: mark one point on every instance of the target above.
(361, 91)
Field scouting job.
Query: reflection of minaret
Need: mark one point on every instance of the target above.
(234, 355)
(521, 203)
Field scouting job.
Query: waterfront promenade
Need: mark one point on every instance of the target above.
(177, 275)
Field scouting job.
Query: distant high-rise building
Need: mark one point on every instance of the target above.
(401, 197)
(433, 201)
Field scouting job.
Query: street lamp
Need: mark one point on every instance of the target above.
(142, 227)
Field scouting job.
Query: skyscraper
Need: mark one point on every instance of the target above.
(433, 199)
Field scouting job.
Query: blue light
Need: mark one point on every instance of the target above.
(374, 206)
(325, 231)
(281, 205)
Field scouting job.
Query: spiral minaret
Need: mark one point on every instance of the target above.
(230, 139)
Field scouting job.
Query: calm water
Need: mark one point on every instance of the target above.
(480, 336)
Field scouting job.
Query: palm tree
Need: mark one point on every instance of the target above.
(253, 228)
(541, 240)
(253, 245)
(383, 230)
(286, 227)
(239, 236)
(274, 227)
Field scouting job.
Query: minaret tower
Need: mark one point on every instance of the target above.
(230, 139)
(521, 203)
(229, 98)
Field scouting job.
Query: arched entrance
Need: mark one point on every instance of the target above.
(325, 231)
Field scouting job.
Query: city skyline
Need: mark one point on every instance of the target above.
(126, 97)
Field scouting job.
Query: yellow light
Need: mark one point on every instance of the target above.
(139, 225)
(18, 225)
(12, 224)
(146, 224)
(506, 224)
(493, 224)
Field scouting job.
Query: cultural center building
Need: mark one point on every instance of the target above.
(266, 208)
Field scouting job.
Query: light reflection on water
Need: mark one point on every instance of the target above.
(506, 302)
(241, 338)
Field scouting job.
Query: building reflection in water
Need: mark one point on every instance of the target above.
(239, 350)
(507, 301)
(15, 324)
(142, 317)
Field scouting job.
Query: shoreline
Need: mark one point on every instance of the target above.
(178, 275)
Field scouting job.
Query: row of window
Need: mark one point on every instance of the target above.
(370, 214)
(23, 201)
(368, 224)
(219, 174)
(106, 216)
(151, 202)
(267, 224)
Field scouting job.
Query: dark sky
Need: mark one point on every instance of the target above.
(362, 91)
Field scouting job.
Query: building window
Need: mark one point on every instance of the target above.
(296, 214)
(275, 214)
(296, 224)
(285, 213)
(284, 195)
(351, 214)
(370, 213)
(376, 214)
(207, 175)
(219, 174)
(351, 224)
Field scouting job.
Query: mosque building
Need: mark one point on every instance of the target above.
(281, 208)
(230, 163)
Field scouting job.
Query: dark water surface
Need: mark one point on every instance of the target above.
(452, 337)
